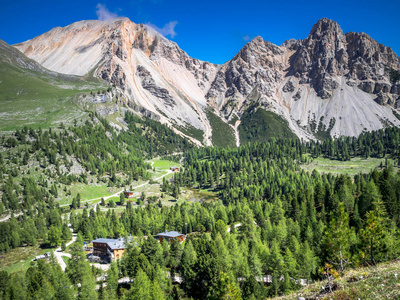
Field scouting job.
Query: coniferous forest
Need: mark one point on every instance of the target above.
(271, 228)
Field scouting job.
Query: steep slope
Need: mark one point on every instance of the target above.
(155, 75)
(330, 82)
(32, 94)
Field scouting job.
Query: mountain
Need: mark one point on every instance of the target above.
(155, 75)
(330, 83)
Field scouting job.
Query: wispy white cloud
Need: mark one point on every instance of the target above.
(103, 14)
(168, 29)
(246, 38)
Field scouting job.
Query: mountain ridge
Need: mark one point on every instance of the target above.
(328, 80)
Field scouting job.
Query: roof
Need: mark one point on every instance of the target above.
(113, 244)
(170, 234)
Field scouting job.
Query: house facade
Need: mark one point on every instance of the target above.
(113, 248)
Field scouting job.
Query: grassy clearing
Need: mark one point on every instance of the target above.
(88, 191)
(354, 166)
(19, 259)
(379, 282)
(93, 193)
(164, 164)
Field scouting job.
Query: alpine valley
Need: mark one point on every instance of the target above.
(330, 83)
(130, 170)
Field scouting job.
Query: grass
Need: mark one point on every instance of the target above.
(259, 125)
(378, 282)
(354, 166)
(38, 99)
(66, 259)
(93, 193)
(20, 259)
(164, 164)
(222, 134)
(88, 191)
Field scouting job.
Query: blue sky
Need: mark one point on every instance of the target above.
(209, 30)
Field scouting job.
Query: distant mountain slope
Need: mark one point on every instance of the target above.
(32, 95)
(153, 72)
(330, 83)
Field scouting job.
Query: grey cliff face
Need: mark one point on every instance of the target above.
(369, 65)
(257, 65)
(149, 84)
(321, 57)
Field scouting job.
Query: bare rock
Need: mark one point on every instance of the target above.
(149, 84)
(288, 87)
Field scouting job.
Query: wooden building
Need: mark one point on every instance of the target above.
(174, 169)
(170, 235)
(128, 194)
(113, 248)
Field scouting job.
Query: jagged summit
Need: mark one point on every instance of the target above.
(329, 81)
(325, 25)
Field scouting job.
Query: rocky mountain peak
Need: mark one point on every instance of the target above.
(324, 27)
(321, 57)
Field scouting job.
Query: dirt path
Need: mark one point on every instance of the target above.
(59, 254)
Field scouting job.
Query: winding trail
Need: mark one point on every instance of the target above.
(59, 254)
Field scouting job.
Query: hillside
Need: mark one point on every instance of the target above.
(373, 282)
(32, 95)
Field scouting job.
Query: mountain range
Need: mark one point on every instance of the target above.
(328, 84)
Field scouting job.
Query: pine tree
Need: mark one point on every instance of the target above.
(112, 279)
(374, 232)
(337, 238)
(141, 288)
(54, 236)
(226, 288)
(156, 292)
(87, 291)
